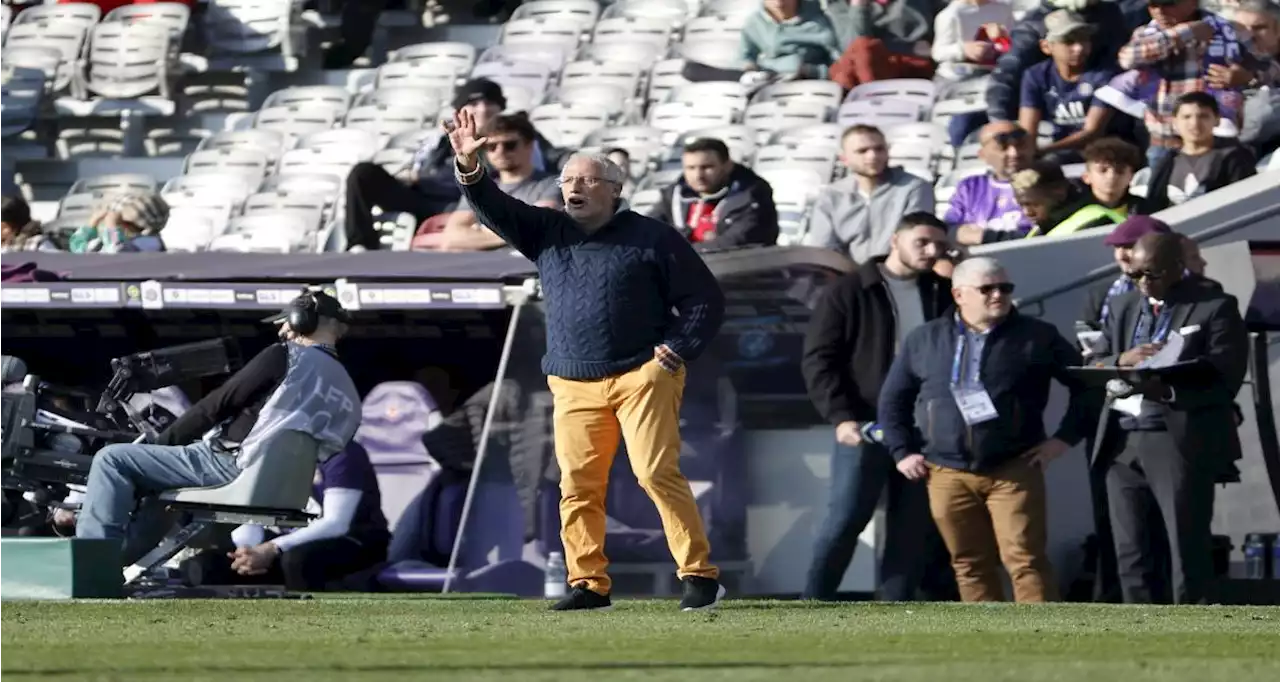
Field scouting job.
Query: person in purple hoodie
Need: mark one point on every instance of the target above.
(985, 204)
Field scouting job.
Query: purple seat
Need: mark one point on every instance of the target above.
(395, 415)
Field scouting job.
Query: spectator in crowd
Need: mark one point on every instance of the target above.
(1060, 89)
(1109, 166)
(123, 222)
(631, 303)
(1004, 92)
(1190, 50)
(883, 39)
(622, 158)
(1199, 165)
(965, 37)
(1119, 108)
(1054, 205)
(981, 381)
(986, 202)
(856, 328)
(1170, 439)
(718, 202)
(790, 39)
(1260, 20)
(511, 140)
(349, 536)
(859, 213)
(426, 187)
(18, 232)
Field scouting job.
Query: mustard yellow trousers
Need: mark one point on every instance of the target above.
(641, 406)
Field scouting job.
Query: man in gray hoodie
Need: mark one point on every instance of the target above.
(859, 213)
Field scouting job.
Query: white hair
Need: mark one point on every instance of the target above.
(609, 170)
(971, 271)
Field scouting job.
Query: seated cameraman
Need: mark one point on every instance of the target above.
(351, 534)
(297, 385)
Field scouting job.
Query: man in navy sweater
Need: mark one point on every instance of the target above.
(628, 303)
(963, 408)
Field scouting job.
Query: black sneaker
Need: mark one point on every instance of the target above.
(582, 599)
(701, 593)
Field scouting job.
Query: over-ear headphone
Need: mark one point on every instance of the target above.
(304, 316)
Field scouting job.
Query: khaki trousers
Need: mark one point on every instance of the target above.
(642, 407)
(999, 515)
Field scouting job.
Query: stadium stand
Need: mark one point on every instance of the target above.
(149, 82)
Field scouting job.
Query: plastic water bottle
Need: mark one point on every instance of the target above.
(1275, 558)
(557, 577)
(1257, 547)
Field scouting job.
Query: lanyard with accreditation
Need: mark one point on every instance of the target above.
(972, 398)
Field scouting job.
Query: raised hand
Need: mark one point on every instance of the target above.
(463, 138)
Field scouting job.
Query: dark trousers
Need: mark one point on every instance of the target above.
(310, 567)
(369, 185)
(359, 21)
(1149, 469)
(914, 555)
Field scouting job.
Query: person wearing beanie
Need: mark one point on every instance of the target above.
(425, 187)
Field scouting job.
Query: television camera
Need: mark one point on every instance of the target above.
(50, 432)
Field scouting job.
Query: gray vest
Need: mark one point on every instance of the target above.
(317, 397)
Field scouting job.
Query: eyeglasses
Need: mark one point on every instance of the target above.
(1005, 288)
(505, 145)
(587, 182)
(1147, 274)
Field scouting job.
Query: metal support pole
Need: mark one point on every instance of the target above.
(482, 449)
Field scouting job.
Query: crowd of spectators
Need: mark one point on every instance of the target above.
(1072, 68)
(1080, 96)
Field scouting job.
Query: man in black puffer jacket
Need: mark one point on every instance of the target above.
(718, 203)
(1115, 22)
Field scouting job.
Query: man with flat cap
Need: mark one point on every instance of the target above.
(298, 384)
(426, 187)
(1168, 441)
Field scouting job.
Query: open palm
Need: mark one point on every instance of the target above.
(463, 136)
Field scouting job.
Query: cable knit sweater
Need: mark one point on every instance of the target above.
(609, 295)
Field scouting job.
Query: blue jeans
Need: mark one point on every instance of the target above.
(912, 546)
(124, 472)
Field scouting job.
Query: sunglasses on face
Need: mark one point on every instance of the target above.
(504, 145)
(1005, 288)
(1148, 274)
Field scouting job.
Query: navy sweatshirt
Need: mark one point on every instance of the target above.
(612, 296)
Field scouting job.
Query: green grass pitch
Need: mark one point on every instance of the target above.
(518, 641)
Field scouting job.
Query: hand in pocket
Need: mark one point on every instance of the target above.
(668, 358)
